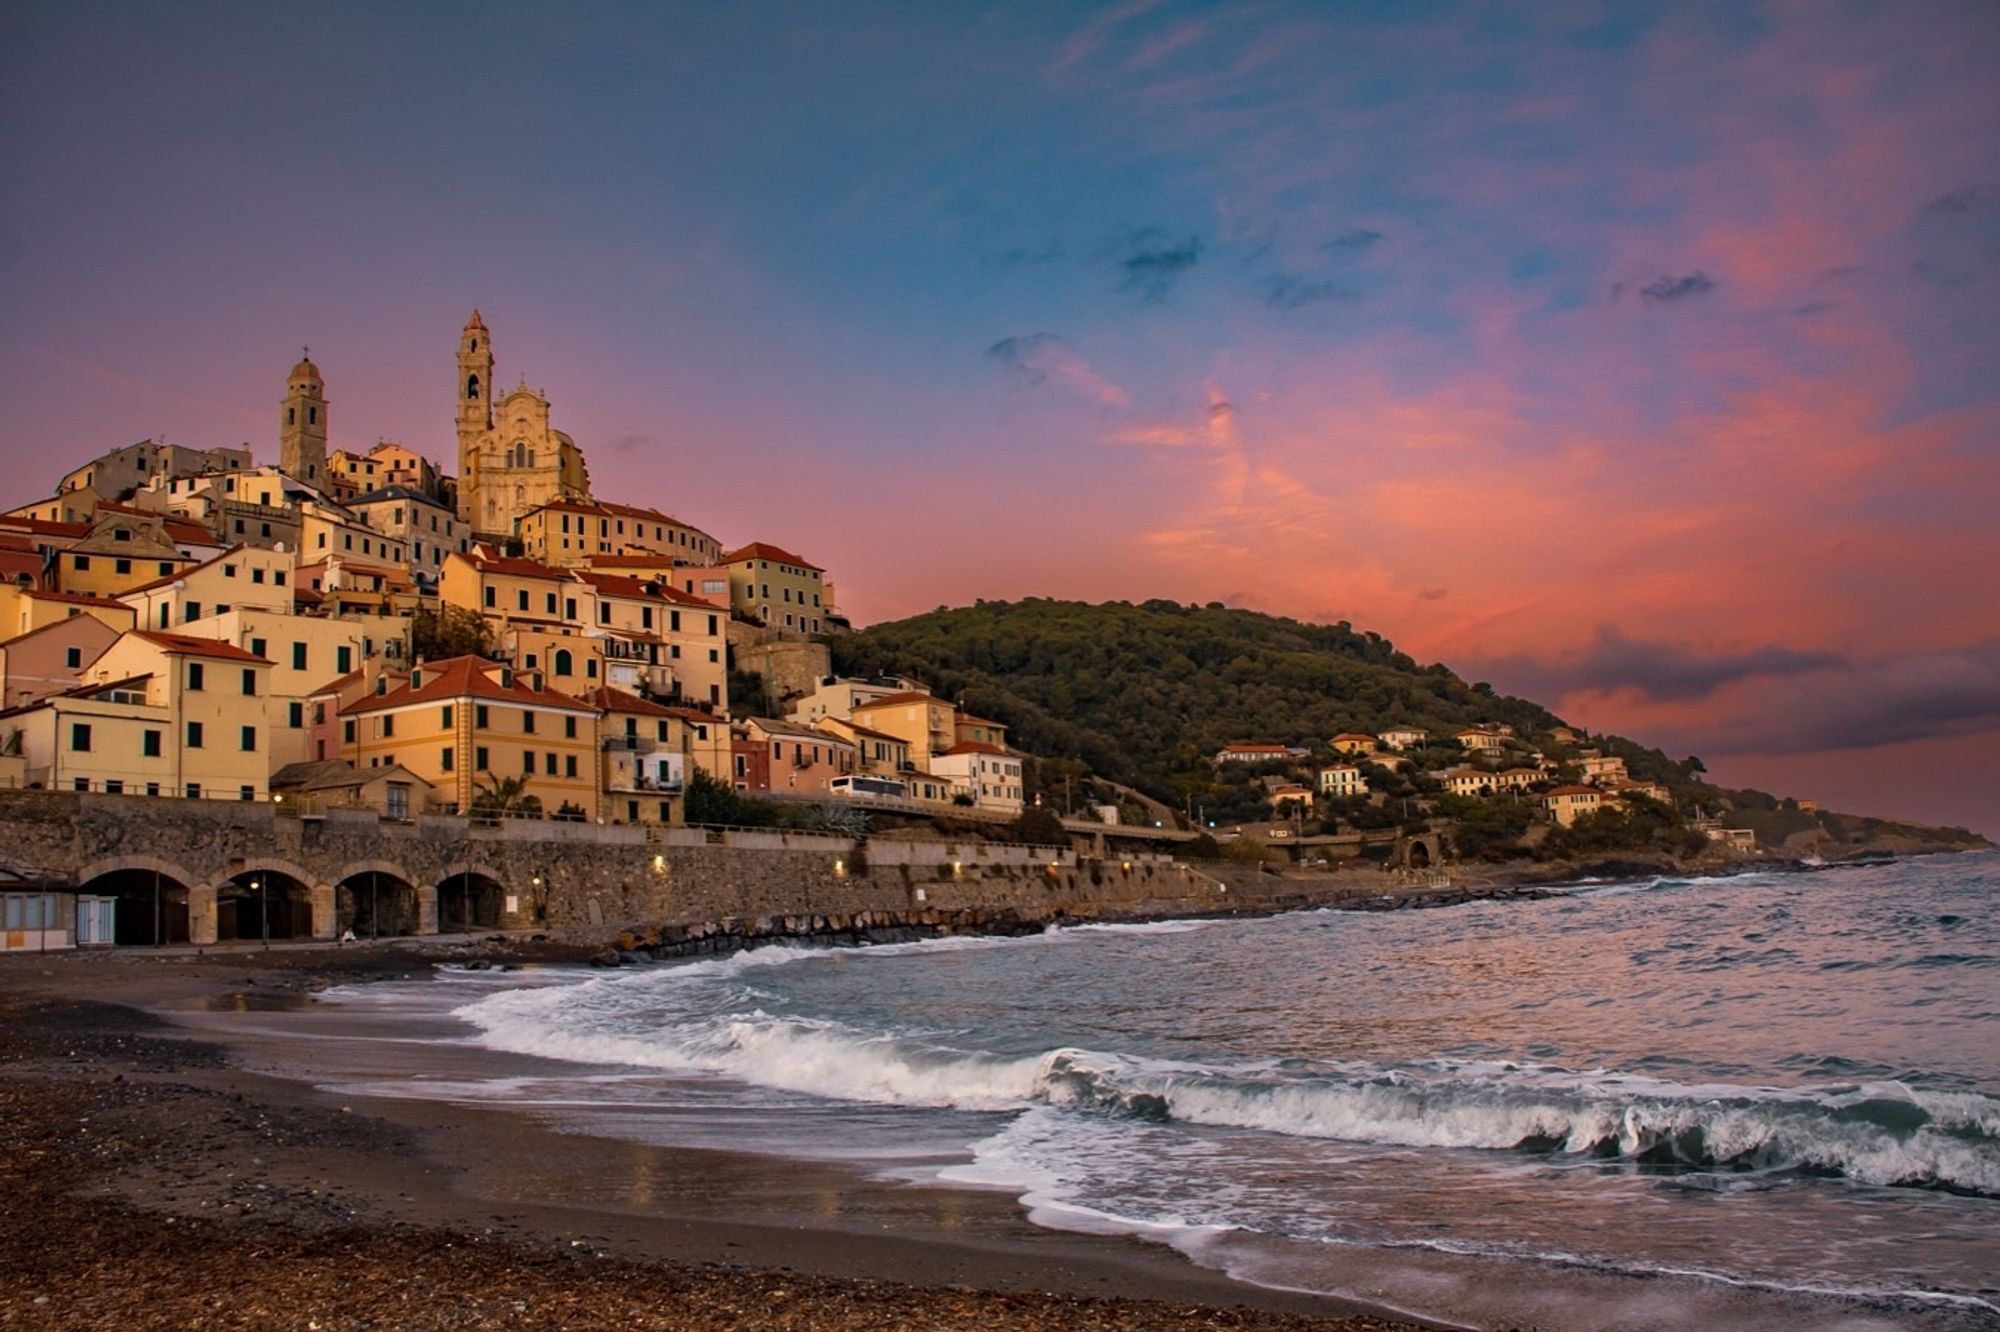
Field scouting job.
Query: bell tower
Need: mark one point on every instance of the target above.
(475, 409)
(302, 425)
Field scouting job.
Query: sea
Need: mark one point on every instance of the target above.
(1757, 1100)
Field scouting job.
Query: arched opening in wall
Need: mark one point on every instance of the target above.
(1419, 854)
(472, 383)
(374, 905)
(150, 907)
(467, 902)
(263, 904)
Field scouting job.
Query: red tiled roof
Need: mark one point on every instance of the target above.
(191, 646)
(42, 527)
(606, 699)
(79, 598)
(910, 696)
(1576, 790)
(872, 735)
(515, 567)
(467, 677)
(1247, 748)
(14, 562)
(967, 719)
(763, 550)
(975, 747)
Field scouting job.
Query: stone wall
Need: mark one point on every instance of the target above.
(585, 881)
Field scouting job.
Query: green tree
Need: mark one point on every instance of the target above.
(496, 798)
(449, 631)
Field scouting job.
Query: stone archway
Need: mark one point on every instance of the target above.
(469, 900)
(373, 900)
(152, 898)
(1425, 851)
(263, 904)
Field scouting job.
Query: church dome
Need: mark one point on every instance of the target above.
(305, 370)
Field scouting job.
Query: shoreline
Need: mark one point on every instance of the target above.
(141, 1138)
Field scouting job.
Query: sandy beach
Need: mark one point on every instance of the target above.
(153, 1178)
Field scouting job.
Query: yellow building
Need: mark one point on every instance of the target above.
(304, 650)
(1342, 780)
(1482, 739)
(647, 753)
(423, 527)
(1352, 742)
(511, 461)
(159, 714)
(773, 587)
(326, 531)
(1567, 804)
(877, 753)
(928, 724)
(23, 609)
(241, 578)
(121, 549)
(970, 730)
(574, 532)
(467, 723)
(510, 591)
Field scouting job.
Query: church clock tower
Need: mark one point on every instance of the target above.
(302, 426)
(475, 410)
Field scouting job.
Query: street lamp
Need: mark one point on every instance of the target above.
(263, 910)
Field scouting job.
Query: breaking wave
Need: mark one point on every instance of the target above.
(1876, 1133)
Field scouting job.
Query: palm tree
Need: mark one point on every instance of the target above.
(504, 797)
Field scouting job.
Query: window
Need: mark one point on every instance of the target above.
(249, 681)
(194, 735)
(388, 725)
(277, 575)
(194, 610)
(347, 730)
(399, 801)
(444, 717)
(479, 759)
(564, 664)
(569, 608)
(528, 762)
(446, 758)
(479, 718)
(122, 566)
(603, 613)
(521, 599)
(113, 786)
(73, 658)
(194, 675)
(295, 715)
(527, 723)
(256, 575)
(79, 737)
(569, 765)
(80, 784)
(80, 562)
(298, 656)
(165, 568)
(550, 600)
(569, 728)
(257, 646)
(249, 739)
(246, 793)
(489, 597)
(149, 744)
(229, 571)
(343, 659)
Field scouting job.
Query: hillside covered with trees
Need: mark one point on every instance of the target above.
(1146, 694)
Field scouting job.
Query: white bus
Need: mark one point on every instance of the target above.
(868, 788)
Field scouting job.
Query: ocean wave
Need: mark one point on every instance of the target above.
(1877, 1133)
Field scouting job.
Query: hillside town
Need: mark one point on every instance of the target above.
(363, 629)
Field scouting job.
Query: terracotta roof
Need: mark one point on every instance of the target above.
(863, 730)
(180, 529)
(1243, 747)
(975, 747)
(899, 700)
(58, 624)
(192, 646)
(14, 562)
(763, 550)
(78, 598)
(694, 715)
(1576, 790)
(967, 719)
(606, 699)
(42, 527)
(514, 566)
(467, 677)
(1352, 735)
(662, 561)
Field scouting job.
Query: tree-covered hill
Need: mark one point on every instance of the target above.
(1146, 694)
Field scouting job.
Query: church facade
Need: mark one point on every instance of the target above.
(511, 461)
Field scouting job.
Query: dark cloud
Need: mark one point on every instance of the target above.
(1675, 289)
(630, 443)
(1915, 696)
(1661, 671)
(1962, 200)
(1811, 308)
(1286, 292)
(1155, 264)
(1023, 354)
(1354, 242)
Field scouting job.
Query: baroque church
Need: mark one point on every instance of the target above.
(510, 460)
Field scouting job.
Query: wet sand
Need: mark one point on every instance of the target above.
(151, 1177)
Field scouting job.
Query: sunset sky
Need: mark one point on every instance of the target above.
(1644, 359)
